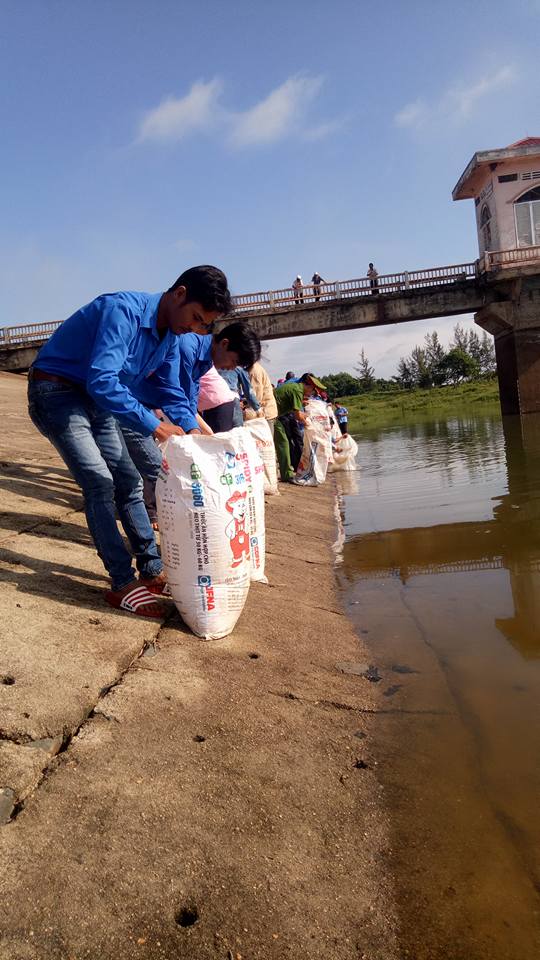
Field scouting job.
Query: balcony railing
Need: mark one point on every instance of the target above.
(519, 256)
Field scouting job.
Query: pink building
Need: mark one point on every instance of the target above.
(505, 187)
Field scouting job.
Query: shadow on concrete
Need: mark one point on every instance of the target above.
(38, 525)
(35, 480)
(54, 581)
(47, 567)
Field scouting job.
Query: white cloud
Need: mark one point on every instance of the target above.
(413, 114)
(185, 245)
(456, 103)
(463, 100)
(176, 118)
(321, 130)
(280, 113)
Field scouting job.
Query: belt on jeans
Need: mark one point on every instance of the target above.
(35, 374)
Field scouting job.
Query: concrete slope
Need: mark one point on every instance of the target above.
(209, 800)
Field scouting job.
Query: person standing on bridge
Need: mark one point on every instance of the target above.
(316, 281)
(112, 362)
(373, 275)
(298, 287)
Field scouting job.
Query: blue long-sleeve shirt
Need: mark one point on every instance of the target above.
(194, 360)
(113, 349)
(239, 381)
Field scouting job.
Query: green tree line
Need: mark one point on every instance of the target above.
(468, 357)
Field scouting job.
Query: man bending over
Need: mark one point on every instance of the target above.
(112, 362)
(235, 346)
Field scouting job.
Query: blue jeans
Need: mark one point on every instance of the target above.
(147, 457)
(238, 416)
(90, 443)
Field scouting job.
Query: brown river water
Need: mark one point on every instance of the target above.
(440, 572)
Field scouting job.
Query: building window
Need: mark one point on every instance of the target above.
(485, 217)
(527, 214)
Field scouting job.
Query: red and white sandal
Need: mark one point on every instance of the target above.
(134, 602)
(158, 587)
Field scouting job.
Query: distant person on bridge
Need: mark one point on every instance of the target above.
(290, 398)
(316, 281)
(110, 363)
(298, 287)
(373, 275)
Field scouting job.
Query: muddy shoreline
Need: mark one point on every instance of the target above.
(175, 798)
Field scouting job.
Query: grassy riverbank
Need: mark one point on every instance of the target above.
(378, 408)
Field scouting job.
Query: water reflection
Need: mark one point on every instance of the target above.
(441, 569)
(449, 468)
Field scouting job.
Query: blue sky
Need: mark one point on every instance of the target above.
(139, 138)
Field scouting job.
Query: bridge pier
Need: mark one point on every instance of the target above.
(507, 375)
(515, 325)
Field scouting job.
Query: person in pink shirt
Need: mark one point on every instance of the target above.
(216, 401)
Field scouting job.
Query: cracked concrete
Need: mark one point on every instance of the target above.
(171, 805)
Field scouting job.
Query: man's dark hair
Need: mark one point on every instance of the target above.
(289, 375)
(305, 377)
(206, 285)
(244, 341)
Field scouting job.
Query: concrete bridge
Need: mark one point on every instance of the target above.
(502, 290)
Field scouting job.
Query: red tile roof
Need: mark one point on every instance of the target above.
(526, 142)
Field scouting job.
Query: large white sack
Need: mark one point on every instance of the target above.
(345, 454)
(260, 430)
(317, 449)
(202, 501)
(257, 533)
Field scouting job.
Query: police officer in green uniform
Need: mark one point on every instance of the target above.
(290, 399)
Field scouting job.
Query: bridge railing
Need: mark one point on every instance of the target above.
(494, 259)
(26, 333)
(343, 289)
(326, 292)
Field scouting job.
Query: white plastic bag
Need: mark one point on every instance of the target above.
(260, 431)
(255, 501)
(202, 499)
(317, 449)
(345, 452)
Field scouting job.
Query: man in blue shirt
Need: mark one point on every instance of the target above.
(236, 347)
(112, 362)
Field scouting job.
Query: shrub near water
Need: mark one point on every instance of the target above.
(387, 407)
